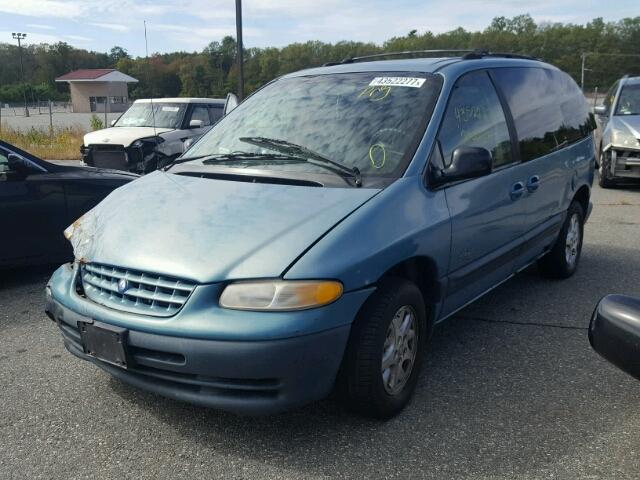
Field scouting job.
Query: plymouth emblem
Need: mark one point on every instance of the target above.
(123, 285)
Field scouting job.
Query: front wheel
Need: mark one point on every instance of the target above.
(385, 350)
(562, 260)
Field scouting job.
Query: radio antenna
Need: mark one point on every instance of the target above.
(153, 112)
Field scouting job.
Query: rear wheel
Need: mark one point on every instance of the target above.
(605, 179)
(562, 260)
(385, 350)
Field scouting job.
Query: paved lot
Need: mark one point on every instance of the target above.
(511, 389)
(60, 119)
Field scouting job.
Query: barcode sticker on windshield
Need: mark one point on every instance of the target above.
(397, 82)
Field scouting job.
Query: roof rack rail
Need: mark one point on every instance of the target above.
(399, 54)
(477, 54)
(469, 54)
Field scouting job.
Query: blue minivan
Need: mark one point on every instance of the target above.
(314, 237)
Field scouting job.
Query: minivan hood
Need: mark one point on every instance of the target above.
(121, 135)
(210, 230)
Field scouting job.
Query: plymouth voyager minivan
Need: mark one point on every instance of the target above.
(313, 238)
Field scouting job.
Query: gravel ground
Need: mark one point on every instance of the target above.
(511, 389)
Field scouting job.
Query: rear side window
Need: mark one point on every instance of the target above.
(474, 118)
(548, 108)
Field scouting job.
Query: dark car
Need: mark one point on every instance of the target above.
(614, 332)
(39, 199)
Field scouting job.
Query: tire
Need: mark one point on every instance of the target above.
(364, 385)
(605, 180)
(562, 261)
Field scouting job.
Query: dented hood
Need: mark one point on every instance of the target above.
(210, 230)
(121, 135)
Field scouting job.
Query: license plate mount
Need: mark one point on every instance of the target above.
(104, 342)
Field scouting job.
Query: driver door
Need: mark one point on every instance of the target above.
(32, 213)
(486, 212)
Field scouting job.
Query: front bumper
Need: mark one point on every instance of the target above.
(243, 376)
(625, 162)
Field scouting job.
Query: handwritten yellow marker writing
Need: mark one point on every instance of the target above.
(377, 147)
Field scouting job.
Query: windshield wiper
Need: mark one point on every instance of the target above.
(251, 156)
(225, 157)
(309, 155)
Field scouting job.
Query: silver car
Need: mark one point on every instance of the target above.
(619, 132)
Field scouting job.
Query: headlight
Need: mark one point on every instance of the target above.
(153, 140)
(280, 295)
(624, 138)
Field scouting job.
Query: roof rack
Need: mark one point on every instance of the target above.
(477, 54)
(399, 54)
(469, 54)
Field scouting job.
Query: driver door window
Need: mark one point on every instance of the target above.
(202, 114)
(474, 118)
(608, 99)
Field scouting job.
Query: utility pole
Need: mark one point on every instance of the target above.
(584, 59)
(20, 37)
(239, 47)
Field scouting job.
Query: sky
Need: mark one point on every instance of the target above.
(190, 25)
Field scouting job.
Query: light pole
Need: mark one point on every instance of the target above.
(19, 37)
(239, 46)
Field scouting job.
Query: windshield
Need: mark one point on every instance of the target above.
(371, 121)
(167, 115)
(629, 101)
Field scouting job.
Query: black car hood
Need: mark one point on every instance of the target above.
(72, 172)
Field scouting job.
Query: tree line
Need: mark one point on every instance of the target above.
(612, 50)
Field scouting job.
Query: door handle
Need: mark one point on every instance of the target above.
(533, 183)
(517, 190)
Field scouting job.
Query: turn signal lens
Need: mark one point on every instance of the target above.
(280, 295)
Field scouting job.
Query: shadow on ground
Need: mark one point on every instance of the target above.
(495, 398)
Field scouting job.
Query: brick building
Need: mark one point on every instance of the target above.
(94, 90)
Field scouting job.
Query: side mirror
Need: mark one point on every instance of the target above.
(196, 124)
(600, 110)
(17, 163)
(614, 332)
(18, 166)
(230, 103)
(466, 163)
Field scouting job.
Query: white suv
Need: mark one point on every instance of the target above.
(151, 133)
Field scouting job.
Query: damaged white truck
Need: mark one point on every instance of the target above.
(619, 132)
(151, 133)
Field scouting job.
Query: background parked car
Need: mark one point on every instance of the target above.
(151, 133)
(39, 199)
(619, 132)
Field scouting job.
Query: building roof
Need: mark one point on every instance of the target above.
(96, 75)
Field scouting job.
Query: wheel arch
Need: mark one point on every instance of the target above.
(422, 271)
(582, 196)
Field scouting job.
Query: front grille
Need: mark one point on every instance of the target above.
(109, 156)
(146, 293)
